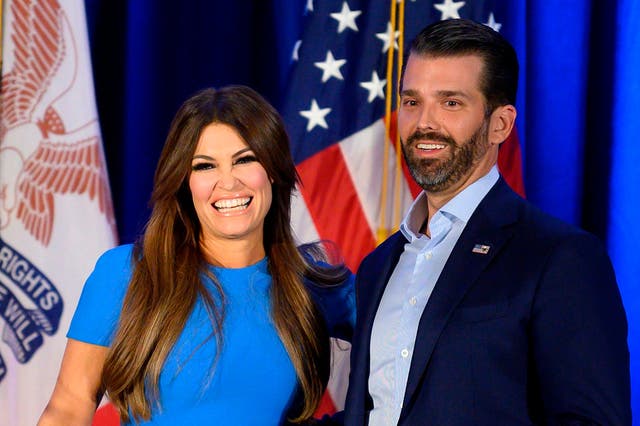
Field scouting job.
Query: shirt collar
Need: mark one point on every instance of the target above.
(461, 206)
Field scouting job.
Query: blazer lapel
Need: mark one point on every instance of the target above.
(376, 280)
(372, 279)
(481, 240)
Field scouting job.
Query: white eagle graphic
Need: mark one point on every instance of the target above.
(41, 156)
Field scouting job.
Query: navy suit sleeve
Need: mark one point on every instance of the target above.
(337, 305)
(579, 338)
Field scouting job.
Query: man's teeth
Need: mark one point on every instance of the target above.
(232, 203)
(430, 146)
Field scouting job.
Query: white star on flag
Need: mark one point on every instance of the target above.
(296, 49)
(449, 9)
(386, 38)
(331, 67)
(375, 87)
(315, 115)
(309, 6)
(493, 24)
(346, 18)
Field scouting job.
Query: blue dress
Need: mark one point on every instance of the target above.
(254, 380)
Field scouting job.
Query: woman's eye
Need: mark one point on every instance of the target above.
(246, 159)
(201, 166)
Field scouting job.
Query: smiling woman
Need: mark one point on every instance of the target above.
(231, 194)
(169, 327)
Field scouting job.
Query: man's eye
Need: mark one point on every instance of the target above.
(201, 166)
(452, 103)
(410, 102)
(246, 159)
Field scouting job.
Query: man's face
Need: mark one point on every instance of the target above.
(442, 122)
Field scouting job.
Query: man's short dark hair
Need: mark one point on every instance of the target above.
(456, 37)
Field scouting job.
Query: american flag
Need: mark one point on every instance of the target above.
(335, 111)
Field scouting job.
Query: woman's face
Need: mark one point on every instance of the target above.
(231, 191)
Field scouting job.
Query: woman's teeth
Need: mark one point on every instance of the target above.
(232, 204)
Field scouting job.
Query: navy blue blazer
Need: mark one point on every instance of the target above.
(531, 332)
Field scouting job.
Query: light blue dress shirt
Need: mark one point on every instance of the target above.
(408, 291)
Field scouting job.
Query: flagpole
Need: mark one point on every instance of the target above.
(382, 232)
(397, 204)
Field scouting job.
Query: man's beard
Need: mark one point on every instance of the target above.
(436, 175)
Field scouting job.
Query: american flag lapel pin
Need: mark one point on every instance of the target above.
(480, 249)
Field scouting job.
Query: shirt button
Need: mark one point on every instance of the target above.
(413, 301)
(404, 353)
(428, 255)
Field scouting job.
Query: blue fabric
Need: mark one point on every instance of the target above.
(624, 186)
(253, 381)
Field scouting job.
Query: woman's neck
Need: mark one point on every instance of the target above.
(232, 254)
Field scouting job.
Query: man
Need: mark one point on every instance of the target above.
(482, 310)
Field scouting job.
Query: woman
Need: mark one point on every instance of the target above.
(214, 316)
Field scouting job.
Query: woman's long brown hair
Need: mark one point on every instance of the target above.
(168, 263)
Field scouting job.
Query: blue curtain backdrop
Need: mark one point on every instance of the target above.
(578, 103)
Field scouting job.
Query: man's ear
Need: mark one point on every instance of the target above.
(501, 123)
